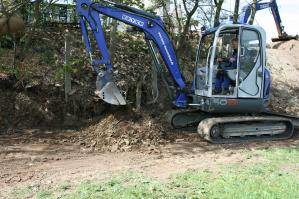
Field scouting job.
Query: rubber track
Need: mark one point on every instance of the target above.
(198, 116)
(205, 126)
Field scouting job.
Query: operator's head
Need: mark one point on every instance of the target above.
(234, 43)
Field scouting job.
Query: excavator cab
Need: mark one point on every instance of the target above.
(228, 74)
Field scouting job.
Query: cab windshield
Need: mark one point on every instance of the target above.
(203, 51)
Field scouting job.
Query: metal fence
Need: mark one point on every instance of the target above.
(55, 13)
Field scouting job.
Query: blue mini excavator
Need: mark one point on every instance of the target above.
(233, 115)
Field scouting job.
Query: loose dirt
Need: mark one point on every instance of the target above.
(283, 61)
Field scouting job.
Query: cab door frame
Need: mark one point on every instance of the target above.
(256, 72)
(212, 58)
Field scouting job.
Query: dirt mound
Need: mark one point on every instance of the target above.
(291, 45)
(283, 61)
(125, 131)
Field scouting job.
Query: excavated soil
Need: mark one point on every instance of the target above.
(283, 61)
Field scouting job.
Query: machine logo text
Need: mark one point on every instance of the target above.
(266, 5)
(132, 20)
(165, 48)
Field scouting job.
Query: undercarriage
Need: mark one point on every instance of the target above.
(225, 128)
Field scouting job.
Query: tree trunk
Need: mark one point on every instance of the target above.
(37, 12)
(155, 91)
(138, 95)
(113, 38)
(236, 11)
(178, 17)
(218, 5)
(168, 19)
(183, 35)
(252, 16)
(67, 75)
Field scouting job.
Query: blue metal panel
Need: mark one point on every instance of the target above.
(267, 85)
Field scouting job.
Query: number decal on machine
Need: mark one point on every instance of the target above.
(232, 102)
(225, 102)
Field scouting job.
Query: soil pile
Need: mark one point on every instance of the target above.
(125, 131)
(283, 61)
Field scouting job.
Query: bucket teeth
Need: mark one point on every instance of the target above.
(107, 90)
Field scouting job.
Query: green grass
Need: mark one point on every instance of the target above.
(25, 192)
(64, 185)
(266, 178)
(280, 156)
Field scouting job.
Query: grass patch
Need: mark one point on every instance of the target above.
(253, 181)
(25, 192)
(45, 193)
(63, 186)
(264, 179)
(280, 156)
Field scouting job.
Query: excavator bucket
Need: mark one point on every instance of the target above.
(285, 38)
(107, 90)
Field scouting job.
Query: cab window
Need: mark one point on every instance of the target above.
(250, 52)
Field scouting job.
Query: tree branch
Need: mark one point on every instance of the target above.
(204, 13)
(185, 7)
(177, 15)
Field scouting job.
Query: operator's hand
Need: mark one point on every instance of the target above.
(219, 59)
(232, 59)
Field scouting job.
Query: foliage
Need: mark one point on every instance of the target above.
(20, 73)
(6, 41)
(47, 56)
(138, 3)
(74, 68)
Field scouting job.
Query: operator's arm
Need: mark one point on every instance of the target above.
(232, 62)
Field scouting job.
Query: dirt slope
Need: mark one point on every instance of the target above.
(283, 61)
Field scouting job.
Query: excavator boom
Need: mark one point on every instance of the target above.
(154, 32)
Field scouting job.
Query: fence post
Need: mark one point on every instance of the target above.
(67, 75)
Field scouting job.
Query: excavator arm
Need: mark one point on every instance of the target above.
(247, 10)
(154, 31)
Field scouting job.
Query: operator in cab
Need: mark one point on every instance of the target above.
(222, 80)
